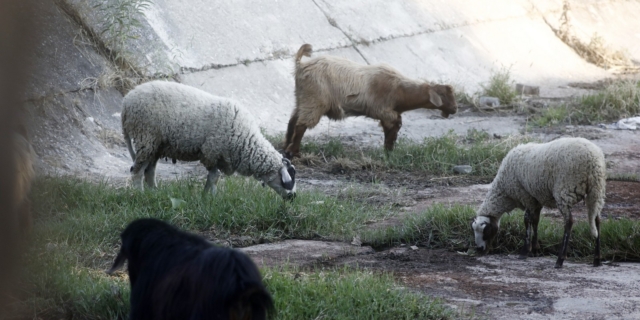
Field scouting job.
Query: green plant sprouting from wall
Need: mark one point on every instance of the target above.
(121, 20)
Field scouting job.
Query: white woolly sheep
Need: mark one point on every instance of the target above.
(556, 174)
(168, 119)
(339, 88)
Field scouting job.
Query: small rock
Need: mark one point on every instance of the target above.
(414, 248)
(464, 169)
(524, 89)
(116, 115)
(497, 136)
(489, 101)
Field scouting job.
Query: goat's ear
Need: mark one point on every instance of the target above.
(434, 98)
(120, 259)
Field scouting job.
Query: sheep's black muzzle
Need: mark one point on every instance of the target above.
(290, 197)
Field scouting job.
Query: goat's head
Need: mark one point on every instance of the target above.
(443, 98)
(485, 230)
(283, 181)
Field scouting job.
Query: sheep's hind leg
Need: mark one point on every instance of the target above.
(597, 259)
(568, 224)
(526, 248)
(145, 155)
(150, 174)
(212, 180)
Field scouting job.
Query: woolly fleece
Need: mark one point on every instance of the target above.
(168, 119)
(556, 174)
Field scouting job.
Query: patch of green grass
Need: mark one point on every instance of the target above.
(94, 214)
(618, 100)
(347, 294)
(438, 155)
(78, 224)
(623, 177)
(551, 116)
(501, 86)
(433, 155)
(332, 148)
(450, 228)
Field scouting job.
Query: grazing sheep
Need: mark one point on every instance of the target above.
(177, 275)
(339, 88)
(24, 160)
(556, 174)
(168, 119)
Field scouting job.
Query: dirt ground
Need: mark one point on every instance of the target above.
(494, 286)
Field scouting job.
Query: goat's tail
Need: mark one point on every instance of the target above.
(305, 50)
(596, 194)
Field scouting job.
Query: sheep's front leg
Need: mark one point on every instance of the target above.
(212, 180)
(568, 224)
(535, 219)
(150, 174)
(526, 248)
(597, 259)
(391, 132)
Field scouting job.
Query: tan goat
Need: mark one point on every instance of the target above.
(339, 88)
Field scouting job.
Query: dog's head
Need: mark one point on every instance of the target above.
(134, 238)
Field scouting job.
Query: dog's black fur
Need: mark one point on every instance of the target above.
(177, 275)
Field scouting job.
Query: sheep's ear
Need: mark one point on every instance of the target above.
(434, 98)
(118, 263)
(286, 178)
(288, 174)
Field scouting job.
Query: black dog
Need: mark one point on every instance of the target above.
(177, 275)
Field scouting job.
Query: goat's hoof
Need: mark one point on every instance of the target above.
(558, 265)
(597, 263)
(523, 256)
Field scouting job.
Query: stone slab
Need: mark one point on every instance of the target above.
(300, 252)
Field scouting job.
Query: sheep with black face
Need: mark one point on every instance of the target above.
(177, 275)
(556, 174)
(168, 119)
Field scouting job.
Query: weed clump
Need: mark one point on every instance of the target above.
(619, 99)
(500, 86)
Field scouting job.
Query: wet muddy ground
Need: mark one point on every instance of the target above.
(496, 286)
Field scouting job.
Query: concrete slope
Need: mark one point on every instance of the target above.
(243, 49)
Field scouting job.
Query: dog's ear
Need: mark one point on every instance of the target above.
(118, 263)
